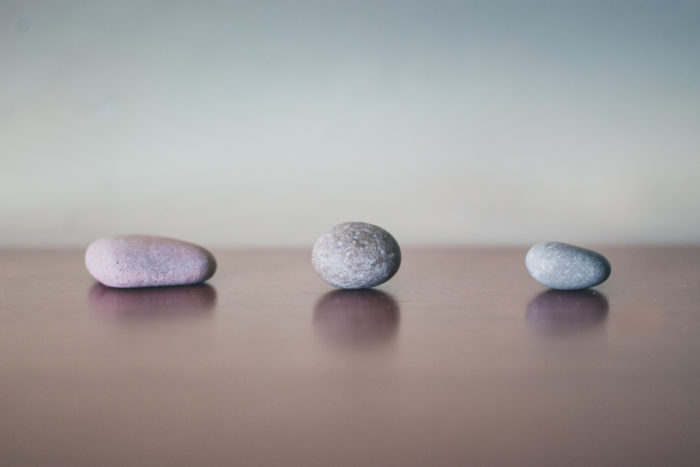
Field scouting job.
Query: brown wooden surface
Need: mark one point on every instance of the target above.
(458, 360)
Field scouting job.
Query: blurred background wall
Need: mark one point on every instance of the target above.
(264, 123)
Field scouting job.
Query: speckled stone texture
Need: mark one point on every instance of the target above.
(356, 255)
(566, 267)
(127, 261)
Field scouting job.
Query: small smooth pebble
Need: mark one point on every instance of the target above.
(566, 267)
(356, 255)
(127, 261)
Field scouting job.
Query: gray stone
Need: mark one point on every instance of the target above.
(127, 261)
(566, 267)
(356, 255)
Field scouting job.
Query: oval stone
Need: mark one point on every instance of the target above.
(566, 267)
(127, 261)
(356, 255)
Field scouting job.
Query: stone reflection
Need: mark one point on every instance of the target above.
(356, 318)
(152, 302)
(565, 312)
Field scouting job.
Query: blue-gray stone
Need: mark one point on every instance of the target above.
(566, 267)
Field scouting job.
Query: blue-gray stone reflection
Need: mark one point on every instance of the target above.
(558, 312)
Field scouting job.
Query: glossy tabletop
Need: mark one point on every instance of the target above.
(461, 359)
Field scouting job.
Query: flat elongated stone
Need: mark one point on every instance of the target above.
(147, 261)
(566, 267)
(356, 255)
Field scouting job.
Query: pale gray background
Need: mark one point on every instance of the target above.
(264, 123)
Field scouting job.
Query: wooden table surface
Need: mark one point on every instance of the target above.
(461, 359)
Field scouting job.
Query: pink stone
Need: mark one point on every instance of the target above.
(127, 261)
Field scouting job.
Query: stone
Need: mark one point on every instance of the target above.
(356, 255)
(127, 261)
(566, 267)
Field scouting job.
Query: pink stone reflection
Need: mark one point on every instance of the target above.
(152, 302)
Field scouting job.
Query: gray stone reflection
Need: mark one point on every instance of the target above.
(560, 312)
(152, 303)
(356, 318)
